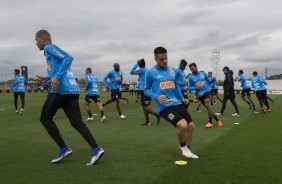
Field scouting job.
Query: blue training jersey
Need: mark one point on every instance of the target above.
(141, 72)
(162, 82)
(200, 83)
(59, 67)
(19, 83)
(180, 77)
(244, 82)
(213, 85)
(258, 83)
(115, 79)
(92, 85)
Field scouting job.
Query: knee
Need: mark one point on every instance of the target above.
(191, 126)
(182, 125)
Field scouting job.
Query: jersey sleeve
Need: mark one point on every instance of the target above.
(134, 71)
(66, 60)
(148, 86)
(190, 84)
(106, 78)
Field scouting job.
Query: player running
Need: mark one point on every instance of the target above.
(258, 84)
(181, 80)
(116, 79)
(200, 82)
(145, 100)
(63, 92)
(246, 90)
(214, 89)
(160, 85)
(93, 94)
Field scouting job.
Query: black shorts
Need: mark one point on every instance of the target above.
(174, 114)
(92, 98)
(214, 91)
(115, 94)
(145, 100)
(246, 92)
(138, 92)
(205, 96)
(184, 94)
(261, 95)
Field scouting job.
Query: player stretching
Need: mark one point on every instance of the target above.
(93, 94)
(116, 79)
(160, 86)
(246, 90)
(258, 84)
(181, 80)
(63, 92)
(145, 100)
(199, 82)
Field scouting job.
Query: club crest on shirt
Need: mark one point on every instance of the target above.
(172, 72)
(171, 116)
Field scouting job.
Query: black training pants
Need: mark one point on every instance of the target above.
(22, 96)
(232, 99)
(69, 104)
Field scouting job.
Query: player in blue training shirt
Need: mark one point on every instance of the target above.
(63, 93)
(181, 80)
(258, 84)
(160, 85)
(145, 100)
(19, 89)
(200, 82)
(246, 90)
(214, 89)
(93, 94)
(116, 79)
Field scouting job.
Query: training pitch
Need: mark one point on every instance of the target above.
(247, 149)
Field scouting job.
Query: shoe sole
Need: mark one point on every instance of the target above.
(68, 154)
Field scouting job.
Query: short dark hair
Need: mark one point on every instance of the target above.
(160, 50)
(192, 64)
(17, 71)
(89, 70)
(142, 63)
(241, 71)
(226, 68)
(255, 73)
(44, 34)
(183, 62)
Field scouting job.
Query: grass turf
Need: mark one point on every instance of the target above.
(245, 153)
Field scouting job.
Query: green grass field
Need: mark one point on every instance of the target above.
(246, 153)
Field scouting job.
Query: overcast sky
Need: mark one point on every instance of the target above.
(99, 33)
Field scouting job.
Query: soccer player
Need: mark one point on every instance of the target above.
(160, 85)
(116, 79)
(145, 100)
(19, 89)
(214, 89)
(258, 84)
(200, 82)
(229, 92)
(180, 77)
(93, 94)
(246, 90)
(63, 92)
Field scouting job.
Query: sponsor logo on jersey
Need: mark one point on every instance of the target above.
(167, 84)
(200, 84)
(117, 78)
